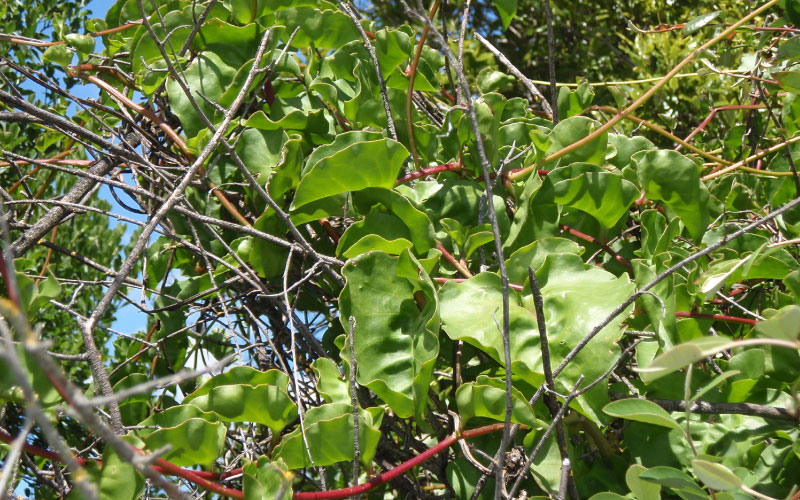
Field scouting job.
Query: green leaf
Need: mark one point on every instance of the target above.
(358, 166)
(784, 325)
(669, 477)
(387, 226)
(574, 102)
(58, 54)
(487, 398)
(476, 238)
(395, 338)
(698, 22)
(244, 394)
(682, 355)
(607, 495)
(134, 409)
(643, 490)
(534, 255)
(575, 296)
(330, 384)
(670, 177)
(265, 480)
(420, 228)
(261, 151)
(716, 476)
(641, 410)
(82, 43)
(721, 378)
(570, 131)
(626, 147)
(268, 259)
(323, 422)
(789, 50)
(118, 478)
(791, 9)
(491, 80)
(603, 195)
(324, 28)
(193, 436)
(210, 75)
(95, 24)
(788, 80)
(507, 10)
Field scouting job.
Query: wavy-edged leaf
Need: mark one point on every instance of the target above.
(395, 337)
(321, 423)
(330, 384)
(486, 397)
(670, 177)
(265, 480)
(534, 255)
(209, 75)
(570, 131)
(193, 436)
(682, 355)
(575, 296)
(603, 195)
(358, 166)
(244, 394)
(324, 28)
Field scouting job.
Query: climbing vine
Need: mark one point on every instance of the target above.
(377, 259)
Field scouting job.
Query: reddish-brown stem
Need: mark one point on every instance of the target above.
(449, 97)
(174, 137)
(156, 325)
(163, 466)
(37, 43)
(330, 230)
(397, 471)
(711, 116)
(458, 265)
(37, 167)
(718, 317)
(585, 237)
(202, 479)
(189, 475)
(513, 286)
(49, 255)
(447, 167)
(412, 74)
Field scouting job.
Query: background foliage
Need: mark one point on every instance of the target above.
(374, 262)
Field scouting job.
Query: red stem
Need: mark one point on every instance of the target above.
(199, 477)
(711, 116)
(513, 286)
(622, 260)
(397, 471)
(458, 265)
(428, 171)
(448, 167)
(718, 317)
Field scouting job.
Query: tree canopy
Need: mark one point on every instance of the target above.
(465, 250)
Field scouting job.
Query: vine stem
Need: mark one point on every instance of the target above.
(655, 88)
(400, 469)
(741, 164)
(196, 476)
